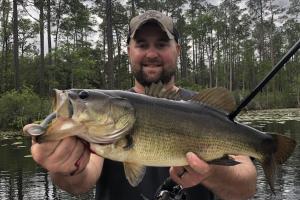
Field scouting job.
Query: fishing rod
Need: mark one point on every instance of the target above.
(259, 87)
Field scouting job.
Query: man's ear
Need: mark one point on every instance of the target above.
(128, 50)
(178, 49)
(129, 54)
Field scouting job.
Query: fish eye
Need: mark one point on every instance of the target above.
(83, 95)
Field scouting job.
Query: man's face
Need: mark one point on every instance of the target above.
(153, 56)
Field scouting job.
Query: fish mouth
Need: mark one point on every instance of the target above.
(62, 104)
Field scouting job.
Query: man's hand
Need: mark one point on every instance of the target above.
(189, 176)
(228, 182)
(67, 157)
(70, 163)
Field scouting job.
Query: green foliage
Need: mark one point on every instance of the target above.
(274, 100)
(267, 99)
(20, 108)
(222, 45)
(189, 85)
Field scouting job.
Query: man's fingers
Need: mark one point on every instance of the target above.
(71, 156)
(67, 156)
(176, 173)
(82, 162)
(197, 164)
(41, 152)
(67, 150)
(192, 174)
(185, 177)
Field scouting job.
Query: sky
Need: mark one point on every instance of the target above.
(279, 2)
(284, 3)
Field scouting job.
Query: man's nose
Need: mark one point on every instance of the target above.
(152, 53)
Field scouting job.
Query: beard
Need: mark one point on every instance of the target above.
(165, 77)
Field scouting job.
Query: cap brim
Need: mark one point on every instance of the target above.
(164, 28)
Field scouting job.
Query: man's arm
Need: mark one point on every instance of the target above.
(227, 182)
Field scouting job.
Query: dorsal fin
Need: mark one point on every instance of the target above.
(219, 98)
(158, 90)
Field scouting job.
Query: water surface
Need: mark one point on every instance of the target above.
(287, 122)
(21, 178)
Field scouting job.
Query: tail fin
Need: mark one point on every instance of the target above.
(269, 166)
(284, 147)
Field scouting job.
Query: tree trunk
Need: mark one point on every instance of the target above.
(217, 63)
(132, 8)
(119, 38)
(49, 32)
(209, 51)
(298, 97)
(42, 57)
(262, 38)
(230, 51)
(16, 45)
(58, 17)
(4, 52)
(109, 66)
(183, 60)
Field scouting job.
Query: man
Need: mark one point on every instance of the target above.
(153, 51)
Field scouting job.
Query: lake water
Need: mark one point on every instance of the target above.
(21, 178)
(287, 122)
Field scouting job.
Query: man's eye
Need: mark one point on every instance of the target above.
(141, 45)
(162, 44)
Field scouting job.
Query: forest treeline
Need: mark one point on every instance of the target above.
(48, 44)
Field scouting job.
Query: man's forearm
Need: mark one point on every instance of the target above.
(81, 182)
(235, 182)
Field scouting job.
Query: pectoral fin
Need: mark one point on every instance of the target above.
(129, 142)
(225, 160)
(134, 173)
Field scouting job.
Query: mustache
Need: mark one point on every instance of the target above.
(152, 61)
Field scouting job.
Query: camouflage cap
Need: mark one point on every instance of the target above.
(165, 22)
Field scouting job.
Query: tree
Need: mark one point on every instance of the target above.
(28, 30)
(58, 10)
(40, 5)
(109, 70)
(257, 11)
(49, 32)
(223, 45)
(184, 60)
(16, 45)
(5, 34)
(294, 9)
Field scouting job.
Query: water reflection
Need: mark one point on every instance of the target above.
(284, 121)
(21, 178)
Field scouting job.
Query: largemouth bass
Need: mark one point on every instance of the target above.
(141, 130)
